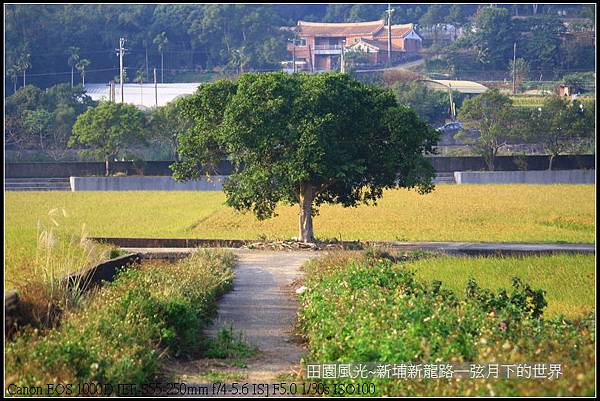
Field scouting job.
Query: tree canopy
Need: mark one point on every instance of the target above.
(108, 129)
(561, 124)
(304, 139)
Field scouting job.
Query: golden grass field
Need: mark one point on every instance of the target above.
(522, 213)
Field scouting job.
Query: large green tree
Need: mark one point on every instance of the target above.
(494, 116)
(561, 124)
(108, 129)
(304, 139)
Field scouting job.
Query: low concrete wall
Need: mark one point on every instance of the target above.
(161, 168)
(86, 279)
(145, 183)
(526, 177)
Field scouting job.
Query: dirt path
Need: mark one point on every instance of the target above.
(263, 306)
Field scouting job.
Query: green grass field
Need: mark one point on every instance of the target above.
(568, 280)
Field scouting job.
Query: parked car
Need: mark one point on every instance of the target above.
(451, 128)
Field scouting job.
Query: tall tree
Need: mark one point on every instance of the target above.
(73, 53)
(23, 63)
(139, 78)
(81, 66)
(561, 124)
(108, 129)
(520, 68)
(493, 37)
(494, 116)
(161, 41)
(290, 141)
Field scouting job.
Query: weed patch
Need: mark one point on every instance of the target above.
(121, 334)
(366, 309)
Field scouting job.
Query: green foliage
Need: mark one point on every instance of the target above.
(371, 310)
(493, 37)
(496, 119)
(542, 46)
(561, 124)
(305, 139)
(431, 105)
(228, 345)
(108, 129)
(37, 119)
(166, 124)
(128, 327)
(579, 80)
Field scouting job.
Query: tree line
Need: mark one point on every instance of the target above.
(540, 47)
(52, 122)
(46, 43)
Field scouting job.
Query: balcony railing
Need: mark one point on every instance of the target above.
(328, 47)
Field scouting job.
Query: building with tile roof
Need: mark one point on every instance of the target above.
(318, 46)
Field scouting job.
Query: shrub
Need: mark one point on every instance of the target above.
(368, 309)
(124, 331)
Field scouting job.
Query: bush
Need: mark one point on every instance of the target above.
(367, 309)
(145, 315)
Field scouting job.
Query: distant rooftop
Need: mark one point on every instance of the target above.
(145, 96)
(351, 28)
(469, 87)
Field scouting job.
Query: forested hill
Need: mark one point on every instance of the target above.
(49, 41)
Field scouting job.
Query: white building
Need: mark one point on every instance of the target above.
(142, 96)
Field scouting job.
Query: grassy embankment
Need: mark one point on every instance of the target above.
(368, 309)
(123, 332)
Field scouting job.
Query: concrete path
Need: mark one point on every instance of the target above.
(263, 307)
(454, 248)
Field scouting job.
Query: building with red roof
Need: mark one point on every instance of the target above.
(318, 46)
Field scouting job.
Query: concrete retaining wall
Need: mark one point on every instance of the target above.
(86, 279)
(145, 183)
(526, 177)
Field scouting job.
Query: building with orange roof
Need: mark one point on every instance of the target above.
(318, 45)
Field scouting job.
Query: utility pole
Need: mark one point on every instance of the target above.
(293, 41)
(155, 90)
(311, 59)
(121, 53)
(514, 67)
(389, 13)
(342, 60)
(111, 94)
(452, 110)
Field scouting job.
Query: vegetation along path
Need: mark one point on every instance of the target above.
(262, 307)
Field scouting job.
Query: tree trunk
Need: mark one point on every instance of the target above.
(551, 161)
(71, 76)
(306, 225)
(106, 165)
(162, 69)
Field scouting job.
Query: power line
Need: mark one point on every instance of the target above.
(69, 72)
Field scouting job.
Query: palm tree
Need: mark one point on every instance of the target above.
(23, 63)
(73, 53)
(139, 77)
(12, 73)
(81, 68)
(161, 41)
